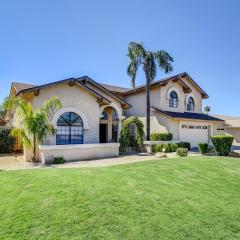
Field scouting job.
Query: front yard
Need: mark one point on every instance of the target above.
(182, 198)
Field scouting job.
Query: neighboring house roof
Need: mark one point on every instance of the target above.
(187, 115)
(164, 81)
(230, 121)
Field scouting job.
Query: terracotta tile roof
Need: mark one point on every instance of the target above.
(187, 115)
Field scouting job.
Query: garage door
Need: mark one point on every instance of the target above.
(193, 133)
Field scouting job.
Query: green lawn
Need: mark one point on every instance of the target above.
(183, 198)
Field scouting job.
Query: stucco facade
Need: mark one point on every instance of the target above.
(97, 105)
(160, 97)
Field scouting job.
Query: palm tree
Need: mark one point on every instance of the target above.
(139, 56)
(3, 107)
(33, 124)
(207, 109)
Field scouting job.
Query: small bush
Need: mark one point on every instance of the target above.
(222, 144)
(184, 145)
(174, 147)
(203, 148)
(157, 148)
(7, 142)
(169, 147)
(161, 137)
(182, 152)
(234, 154)
(58, 160)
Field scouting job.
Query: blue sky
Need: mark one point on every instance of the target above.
(44, 41)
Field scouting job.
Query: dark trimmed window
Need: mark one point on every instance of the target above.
(69, 129)
(190, 105)
(173, 101)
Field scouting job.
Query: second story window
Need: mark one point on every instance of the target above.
(190, 105)
(173, 101)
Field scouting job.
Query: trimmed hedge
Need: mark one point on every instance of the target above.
(169, 147)
(222, 144)
(203, 148)
(161, 137)
(7, 142)
(184, 145)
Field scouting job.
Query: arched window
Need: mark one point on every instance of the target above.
(173, 101)
(69, 129)
(190, 105)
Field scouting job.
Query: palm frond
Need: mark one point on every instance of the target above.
(164, 60)
(150, 68)
(50, 107)
(22, 136)
(136, 53)
(22, 108)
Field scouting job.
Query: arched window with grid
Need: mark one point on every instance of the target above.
(69, 129)
(173, 100)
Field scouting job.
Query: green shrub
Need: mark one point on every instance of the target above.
(182, 152)
(222, 144)
(234, 154)
(174, 147)
(7, 142)
(184, 145)
(203, 148)
(161, 137)
(157, 147)
(169, 147)
(125, 138)
(58, 160)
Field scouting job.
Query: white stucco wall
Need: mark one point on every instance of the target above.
(78, 100)
(78, 152)
(160, 99)
(73, 98)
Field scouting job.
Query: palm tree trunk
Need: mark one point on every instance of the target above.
(34, 149)
(148, 110)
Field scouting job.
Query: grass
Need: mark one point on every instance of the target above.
(184, 198)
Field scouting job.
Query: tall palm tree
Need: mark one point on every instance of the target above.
(33, 124)
(139, 56)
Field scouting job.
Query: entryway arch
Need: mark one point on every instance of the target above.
(108, 125)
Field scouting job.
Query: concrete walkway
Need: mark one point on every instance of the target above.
(10, 162)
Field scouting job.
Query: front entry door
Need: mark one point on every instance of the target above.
(103, 133)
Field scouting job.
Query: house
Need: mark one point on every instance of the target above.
(231, 125)
(89, 122)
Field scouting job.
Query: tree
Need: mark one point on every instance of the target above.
(3, 108)
(139, 56)
(33, 124)
(207, 109)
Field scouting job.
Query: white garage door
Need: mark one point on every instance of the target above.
(193, 133)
